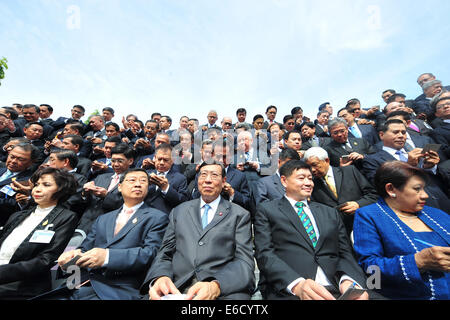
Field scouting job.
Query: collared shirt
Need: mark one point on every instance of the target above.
(355, 128)
(393, 153)
(21, 232)
(447, 120)
(409, 140)
(8, 174)
(123, 218)
(163, 174)
(320, 278)
(212, 211)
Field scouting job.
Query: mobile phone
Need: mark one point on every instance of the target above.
(71, 262)
(351, 293)
(431, 146)
(345, 158)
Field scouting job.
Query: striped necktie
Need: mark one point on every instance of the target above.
(306, 223)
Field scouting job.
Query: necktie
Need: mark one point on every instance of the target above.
(6, 175)
(205, 215)
(348, 147)
(122, 221)
(306, 223)
(414, 127)
(247, 156)
(330, 185)
(315, 142)
(354, 132)
(401, 156)
(114, 182)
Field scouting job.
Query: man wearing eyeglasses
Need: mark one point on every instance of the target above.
(102, 194)
(121, 245)
(212, 118)
(207, 250)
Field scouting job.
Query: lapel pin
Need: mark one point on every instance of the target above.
(45, 223)
(220, 213)
(134, 220)
(355, 143)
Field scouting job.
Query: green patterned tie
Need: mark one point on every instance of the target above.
(306, 223)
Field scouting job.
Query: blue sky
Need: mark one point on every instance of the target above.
(189, 56)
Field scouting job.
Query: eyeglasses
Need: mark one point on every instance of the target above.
(134, 180)
(227, 123)
(213, 175)
(441, 106)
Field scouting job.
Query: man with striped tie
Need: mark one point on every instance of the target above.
(302, 248)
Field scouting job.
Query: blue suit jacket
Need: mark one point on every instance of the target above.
(268, 188)
(131, 251)
(381, 239)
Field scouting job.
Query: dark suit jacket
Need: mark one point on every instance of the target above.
(268, 188)
(131, 251)
(28, 272)
(335, 150)
(222, 251)
(351, 185)
(238, 182)
(176, 194)
(320, 132)
(285, 253)
(434, 188)
(84, 166)
(323, 141)
(96, 206)
(441, 135)
(368, 133)
(8, 204)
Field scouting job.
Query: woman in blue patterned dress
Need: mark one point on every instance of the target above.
(407, 240)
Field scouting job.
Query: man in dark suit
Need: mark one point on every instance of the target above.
(168, 188)
(121, 245)
(102, 194)
(212, 119)
(18, 167)
(322, 129)
(207, 248)
(31, 114)
(353, 149)
(271, 113)
(364, 131)
(270, 187)
(75, 143)
(77, 113)
(342, 188)
(309, 138)
(236, 187)
(302, 248)
(393, 135)
(441, 109)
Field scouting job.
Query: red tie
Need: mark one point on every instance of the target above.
(122, 221)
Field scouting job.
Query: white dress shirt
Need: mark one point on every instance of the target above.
(21, 232)
(320, 278)
(212, 211)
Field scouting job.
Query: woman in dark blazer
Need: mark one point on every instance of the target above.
(31, 240)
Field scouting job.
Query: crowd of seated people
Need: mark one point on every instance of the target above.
(192, 209)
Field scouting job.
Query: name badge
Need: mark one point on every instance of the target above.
(8, 190)
(42, 236)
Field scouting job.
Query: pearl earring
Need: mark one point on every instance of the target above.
(393, 195)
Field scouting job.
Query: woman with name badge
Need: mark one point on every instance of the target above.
(32, 239)
(404, 243)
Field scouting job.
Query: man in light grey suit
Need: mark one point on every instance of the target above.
(207, 249)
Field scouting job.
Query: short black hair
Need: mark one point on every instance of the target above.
(66, 182)
(295, 110)
(289, 153)
(164, 146)
(62, 154)
(115, 125)
(31, 106)
(109, 109)
(122, 178)
(169, 119)
(155, 114)
(241, 110)
(123, 148)
(35, 153)
(292, 165)
(288, 117)
(204, 164)
(49, 107)
(394, 96)
(13, 114)
(270, 107)
(396, 172)
(406, 116)
(309, 124)
(79, 107)
(258, 116)
(385, 126)
(76, 140)
(287, 134)
(115, 139)
(29, 124)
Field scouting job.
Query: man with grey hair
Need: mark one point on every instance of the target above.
(212, 118)
(430, 87)
(343, 188)
(344, 150)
